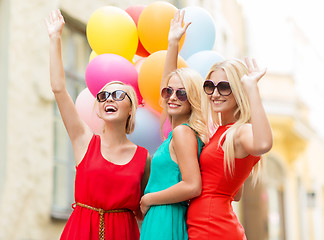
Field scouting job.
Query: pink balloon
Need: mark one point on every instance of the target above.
(87, 110)
(167, 128)
(105, 68)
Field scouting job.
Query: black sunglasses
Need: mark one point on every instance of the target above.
(223, 88)
(180, 93)
(117, 95)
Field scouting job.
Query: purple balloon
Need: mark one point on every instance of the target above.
(147, 132)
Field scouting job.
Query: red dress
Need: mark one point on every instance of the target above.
(102, 184)
(211, 216)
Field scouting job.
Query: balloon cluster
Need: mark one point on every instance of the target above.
(130, 46)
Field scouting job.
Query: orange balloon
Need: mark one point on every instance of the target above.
(154, 24)
(138, 64)
(150, 75)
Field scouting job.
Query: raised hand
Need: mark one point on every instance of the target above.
(177, 26)
(55, 23)
(254, 73)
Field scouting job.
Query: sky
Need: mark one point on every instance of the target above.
(272, 43)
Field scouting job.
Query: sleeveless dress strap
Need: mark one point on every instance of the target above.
(142, 154)
(92, 147)
(140, 159)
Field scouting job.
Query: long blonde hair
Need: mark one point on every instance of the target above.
(193, 82)
(234, 70)
(130, 123)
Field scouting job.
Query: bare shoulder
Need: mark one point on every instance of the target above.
(183, 131)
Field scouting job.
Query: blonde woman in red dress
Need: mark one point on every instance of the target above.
(243, 134)
(111, 171)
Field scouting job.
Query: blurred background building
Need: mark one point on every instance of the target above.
(36, 160)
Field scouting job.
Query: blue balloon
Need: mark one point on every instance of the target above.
(201, 34)
(203, 61)
(147, 132)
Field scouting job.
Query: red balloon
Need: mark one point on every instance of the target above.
(135, 12)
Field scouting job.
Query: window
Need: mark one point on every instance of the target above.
(75, 53)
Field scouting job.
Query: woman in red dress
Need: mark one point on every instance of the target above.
(111, 171)
(243, 134)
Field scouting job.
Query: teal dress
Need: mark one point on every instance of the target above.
(168, 221)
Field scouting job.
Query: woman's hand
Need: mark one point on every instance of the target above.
(55, 24)
(177, 27)
(144, 204)
(255, 138)
(254, 73)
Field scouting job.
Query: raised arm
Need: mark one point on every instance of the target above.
(79, 133)
(255, 138)
(187, 156)
(177, 30)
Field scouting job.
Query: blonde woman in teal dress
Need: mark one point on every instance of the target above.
(175, 175)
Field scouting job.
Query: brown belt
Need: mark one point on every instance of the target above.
(102, 219)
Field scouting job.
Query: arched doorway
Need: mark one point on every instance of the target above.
(263, 205)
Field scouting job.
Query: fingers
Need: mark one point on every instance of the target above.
(59, 14)
(143, 210)
(177, 15)
(248, 64)
(255, 65)
(263, 72)
(186, 26)
(259, 75)
(178, 21)
(52, 16)
(55, 15)
(182, 13)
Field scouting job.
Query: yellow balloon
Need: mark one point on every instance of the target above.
(154, 25)
(93, 54)
(111, 30)
(150, 75)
